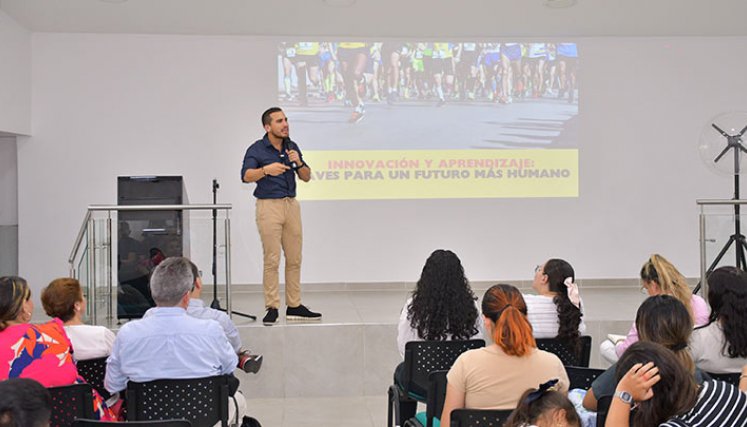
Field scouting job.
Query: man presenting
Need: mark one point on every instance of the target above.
(273, 163)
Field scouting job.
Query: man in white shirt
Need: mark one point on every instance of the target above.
(196, 308)
(169, 343)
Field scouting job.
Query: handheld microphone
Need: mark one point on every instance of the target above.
(285, 149)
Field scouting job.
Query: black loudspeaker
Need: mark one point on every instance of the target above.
(147, 237)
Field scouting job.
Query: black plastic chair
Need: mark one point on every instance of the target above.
(94, 371)
(567, 355)
(70, 402)
(422, 358)
(479, 417)
(202, 401)
(603, 407)
(435, 400)
(159, 423)
(582, 377)
(727, 378)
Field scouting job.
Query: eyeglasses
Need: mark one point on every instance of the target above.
(538, 269)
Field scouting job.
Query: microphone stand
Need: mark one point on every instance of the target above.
(216, 304)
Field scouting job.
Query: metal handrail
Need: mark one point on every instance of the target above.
(78, 239)
(86, 230)
(703, 202)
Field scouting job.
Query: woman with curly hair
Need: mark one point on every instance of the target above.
(442, 307)
(494, 377)
(721, 345)
(555, 312)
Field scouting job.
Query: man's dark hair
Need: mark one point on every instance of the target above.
(266, 115)
(24, 403)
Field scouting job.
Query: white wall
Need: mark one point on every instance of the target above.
(15, 77)
(109, 105)
(8, 206)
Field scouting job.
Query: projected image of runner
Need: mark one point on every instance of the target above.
(423, 95)
(473, 119)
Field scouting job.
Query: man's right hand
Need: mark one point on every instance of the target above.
(275, 169)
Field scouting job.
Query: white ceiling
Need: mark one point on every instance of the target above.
(385, 18)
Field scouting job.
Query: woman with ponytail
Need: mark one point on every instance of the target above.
(495, 376)
(661, 319)
(660, 277)
(555, 312)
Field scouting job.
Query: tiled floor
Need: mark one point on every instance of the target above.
(353, 411)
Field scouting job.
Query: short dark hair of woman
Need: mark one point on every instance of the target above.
(727, 295)
(443, 303)
(569, 316)
(59, 298)
(674, 394)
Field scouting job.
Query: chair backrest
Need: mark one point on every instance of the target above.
(94, 371)
(727, 378)
(157, 423)
(202, 401)
(424, 357)
(603, 406)
(582, 377)
(568, 355)
(70, 402)
(436, 396)
(479, 417)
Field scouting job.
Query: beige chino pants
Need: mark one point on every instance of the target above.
(279, 225)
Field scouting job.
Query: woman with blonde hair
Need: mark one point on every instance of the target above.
(660, 277)
(494, 377)
(63, 299)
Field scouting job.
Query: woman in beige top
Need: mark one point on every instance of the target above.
(494, 377)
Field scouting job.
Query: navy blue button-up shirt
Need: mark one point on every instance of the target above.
(262, 153)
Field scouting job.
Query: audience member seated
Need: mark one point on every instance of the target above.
(170, 344)
(661, 319)
(660, 277)
(442, 307)
(494, 377)
(39, 352)
(555, 312)
(196, 308)
(543, 407)
(24, 403)
(720, 346)
(653, 378)
(63, 299)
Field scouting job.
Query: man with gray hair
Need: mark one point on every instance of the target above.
(168, 343)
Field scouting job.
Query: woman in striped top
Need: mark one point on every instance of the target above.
(653, 381)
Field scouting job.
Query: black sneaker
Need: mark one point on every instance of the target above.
(301, 313)
(250, 363)
(271, 317)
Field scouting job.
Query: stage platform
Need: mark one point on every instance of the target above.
(352, 352)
